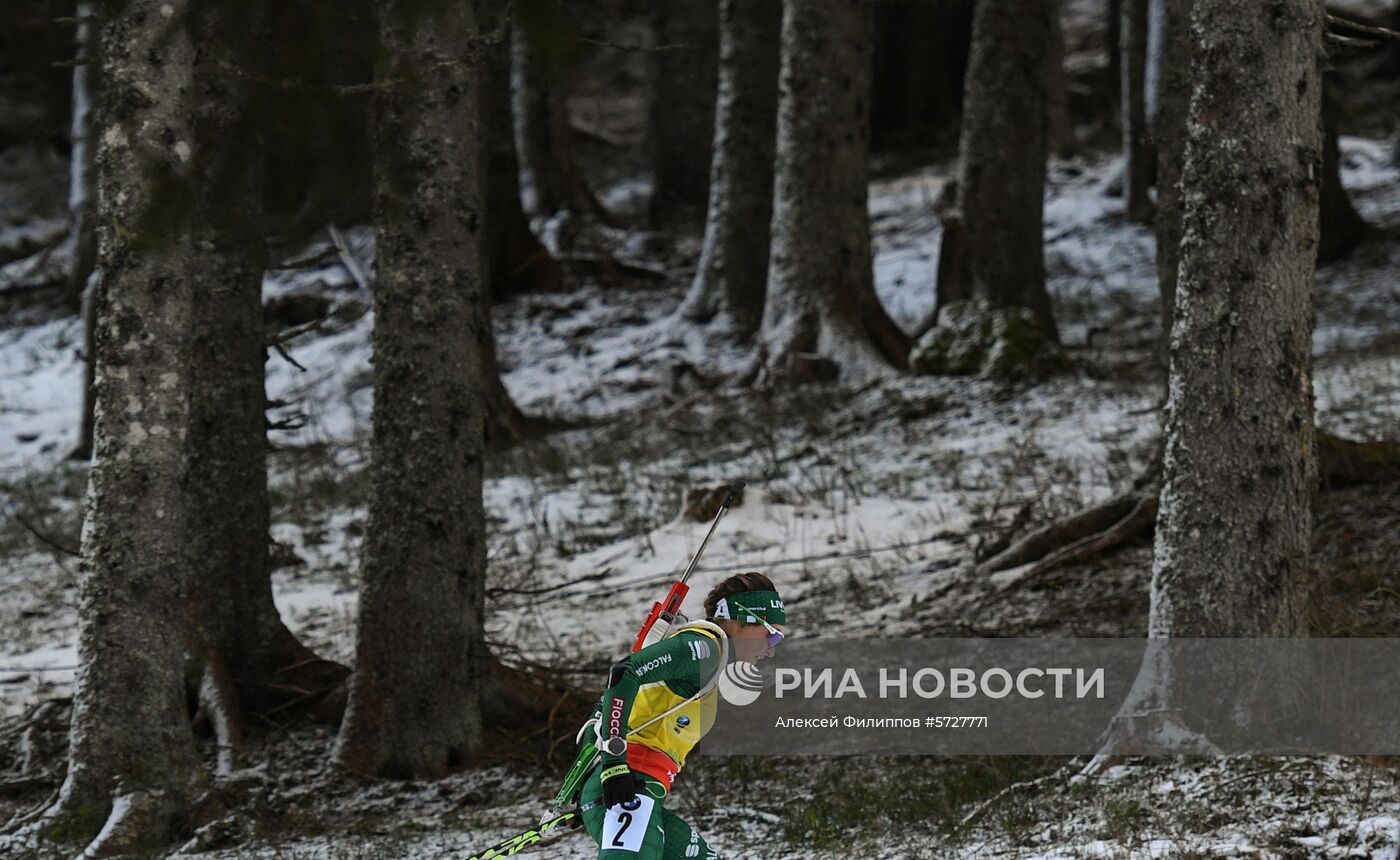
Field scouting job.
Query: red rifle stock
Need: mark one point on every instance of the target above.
(668, 609)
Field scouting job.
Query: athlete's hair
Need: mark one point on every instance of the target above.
(736, 584)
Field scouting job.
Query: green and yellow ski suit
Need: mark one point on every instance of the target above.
(650, 682)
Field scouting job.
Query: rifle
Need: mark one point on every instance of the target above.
(664, 612)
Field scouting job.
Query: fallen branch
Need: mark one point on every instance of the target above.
(306, 698)
(48, 540)
(982, 808)
(594, 133)
(531, 592)
(282, 351)
(297, 331)
(600, 265)
(1340, 463)
(1049, 539)
(1141, 518)
(1003, 541)
(1334, 20)
(1351, 41)
(348, 259)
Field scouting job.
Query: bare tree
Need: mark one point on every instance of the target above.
(249, 662)
(552, 179)
(80, 182)
(81, 201)
(734, 256)
(414, 708)
(1113, 38)
(519, 263)
(1171, 38)
(1234, 520)
(1137, 148)
(1060, 128)
(132, 754)
(512, 258)
(993, 247)
(822, 317)
(684, 69)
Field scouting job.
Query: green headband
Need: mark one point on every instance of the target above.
(745, 605)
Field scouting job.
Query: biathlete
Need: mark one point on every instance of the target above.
(659, 702)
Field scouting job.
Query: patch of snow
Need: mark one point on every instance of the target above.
(41, 379)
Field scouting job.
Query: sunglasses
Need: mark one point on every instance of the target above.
(774, 634)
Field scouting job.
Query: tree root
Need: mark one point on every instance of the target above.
(1107, 526)
(36, 747)
(1076, 537)
(140, 821)
(1084, 535)
(1156, 732)
(533, 708)
(218, 704)
(23, 828)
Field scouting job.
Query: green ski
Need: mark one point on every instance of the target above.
(545, 831)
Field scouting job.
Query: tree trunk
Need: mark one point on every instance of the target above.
(684, 69)
(551, 178)
(319, 170)
(516, 261)
(161, 149)
(1137, 157)
(1173, 98)
(1239, 467)
(414, 707)
(1342, 228)
(1060, 126)
(512, 259)
(80, 180)
(83, 450)
(822, 318)
(1113, 38)
(238, 637)
(1233, 532)
(995, 230)
(921, 51)
(81, 200)
(734, 256)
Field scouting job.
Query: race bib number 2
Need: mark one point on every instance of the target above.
(625, 826)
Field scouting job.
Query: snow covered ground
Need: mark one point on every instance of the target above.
(891, 483)
(1264, 809)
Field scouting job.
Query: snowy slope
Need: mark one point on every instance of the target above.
(888, 482)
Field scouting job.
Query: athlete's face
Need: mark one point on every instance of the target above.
(752, 644)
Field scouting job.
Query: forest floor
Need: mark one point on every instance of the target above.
(865, 504)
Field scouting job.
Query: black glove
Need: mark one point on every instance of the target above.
(620, 787)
